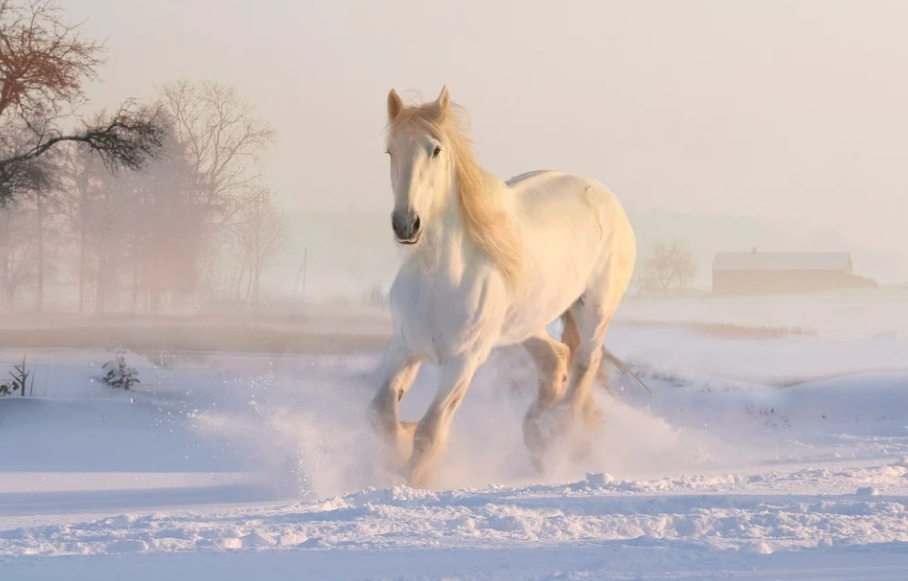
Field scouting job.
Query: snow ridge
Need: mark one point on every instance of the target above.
(724, 512)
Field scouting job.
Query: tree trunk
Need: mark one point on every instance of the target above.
(101, 289)
(4, 257)
(39, 301)
(134, 308)
(250, 281)
(155, 301)
(239, 278)
(139, 244)
(5, 297)
(258, 284)
(82, 258)
(256, 265)
(154, 287)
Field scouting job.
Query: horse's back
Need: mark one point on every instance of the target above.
(546, 193)
(576, 236)
(516, 180)
(598, 222)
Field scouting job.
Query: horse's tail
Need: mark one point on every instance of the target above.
(570, 336)
(611, 357)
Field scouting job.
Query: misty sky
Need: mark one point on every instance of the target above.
(790, 110)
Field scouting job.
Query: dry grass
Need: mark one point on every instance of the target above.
(314, 335)
(729, 330)
(278, 335)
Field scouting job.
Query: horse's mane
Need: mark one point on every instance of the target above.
(486, 220)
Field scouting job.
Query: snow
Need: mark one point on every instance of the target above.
(753, 459)
(850, 314)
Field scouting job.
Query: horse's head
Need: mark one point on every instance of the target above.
(422, 167)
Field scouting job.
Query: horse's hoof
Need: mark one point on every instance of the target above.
(582, 451)
(538, 464)
(585, 434)
(543, 431)
(416, 479)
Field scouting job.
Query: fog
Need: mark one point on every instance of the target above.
(788, 115)
(197, 354)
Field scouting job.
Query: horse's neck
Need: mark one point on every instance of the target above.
(449, 248)
(447, 242)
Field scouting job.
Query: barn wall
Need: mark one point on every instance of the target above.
(738, 282)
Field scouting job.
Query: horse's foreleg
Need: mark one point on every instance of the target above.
(551, 358)
(431, 435)
(399, 370)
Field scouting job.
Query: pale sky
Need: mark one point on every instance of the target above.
(793, 110)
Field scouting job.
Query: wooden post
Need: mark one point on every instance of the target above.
(301, 272)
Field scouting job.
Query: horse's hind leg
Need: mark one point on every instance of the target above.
(551, 359)
(570, 335)
(399, 371)
(592, 316)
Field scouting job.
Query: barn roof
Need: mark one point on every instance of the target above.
(814, 261)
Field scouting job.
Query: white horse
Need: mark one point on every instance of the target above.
(489, 264)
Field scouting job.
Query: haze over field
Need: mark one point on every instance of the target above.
(788, 116)
(195, 373)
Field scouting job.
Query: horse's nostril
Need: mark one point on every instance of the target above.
(416, 225)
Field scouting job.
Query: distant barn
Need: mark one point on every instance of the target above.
(739, 273)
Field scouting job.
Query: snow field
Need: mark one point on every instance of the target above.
(769, 459)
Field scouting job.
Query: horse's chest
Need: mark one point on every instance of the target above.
(437, 319)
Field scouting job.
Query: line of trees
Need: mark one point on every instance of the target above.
(150, 209)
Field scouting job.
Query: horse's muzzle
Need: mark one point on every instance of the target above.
(406, 228)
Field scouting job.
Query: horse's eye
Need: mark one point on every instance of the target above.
(437, 151)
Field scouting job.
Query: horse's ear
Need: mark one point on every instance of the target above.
(395, 105)
(444, 99)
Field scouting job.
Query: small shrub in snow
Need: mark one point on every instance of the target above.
(118, 373)
(20, 375)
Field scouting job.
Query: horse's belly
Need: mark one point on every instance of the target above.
(559, 272)
(519, 330)
(546, 300)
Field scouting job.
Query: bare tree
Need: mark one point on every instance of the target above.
(24, 174)
(43, 65)
(666, 267)
(260, 232)
(17, 252)
(83, 178)
(160, 228)
(41, 235)
(43, 61)
(155, 227)
(222, 138)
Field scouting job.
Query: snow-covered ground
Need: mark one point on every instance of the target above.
(842, 313)
(752, 459)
